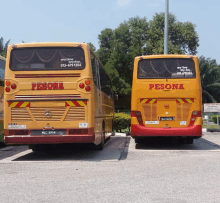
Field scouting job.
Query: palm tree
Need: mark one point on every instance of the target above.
(210, 80)
(3, 47)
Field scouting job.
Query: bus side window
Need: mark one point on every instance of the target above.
(93, 63)
(97, 74)
(105, 82)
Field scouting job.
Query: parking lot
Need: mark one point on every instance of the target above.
(155, 171)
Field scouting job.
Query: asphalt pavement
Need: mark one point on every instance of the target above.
(155, 171)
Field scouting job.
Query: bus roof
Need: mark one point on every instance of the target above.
(45, 44)
(165, 56)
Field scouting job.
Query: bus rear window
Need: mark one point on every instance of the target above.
(166, 68)
(47, 58)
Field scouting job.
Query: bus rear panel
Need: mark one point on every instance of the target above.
(166, 97)
(48, 88)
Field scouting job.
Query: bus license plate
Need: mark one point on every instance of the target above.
(48, 132)
(166, 118)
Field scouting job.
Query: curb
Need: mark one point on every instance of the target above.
(213, 130)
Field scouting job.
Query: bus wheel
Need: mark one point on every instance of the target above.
(101, 145)
(138, 140)
(189, 140)
(36, 148)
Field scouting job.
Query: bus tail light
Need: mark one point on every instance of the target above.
(81, 85)
(137, 114)
(7, 83)
(88, 88)
(194, 115)
(13, 86)
(7, 89)
(87, 82)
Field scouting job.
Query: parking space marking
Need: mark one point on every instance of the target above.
(11, 158)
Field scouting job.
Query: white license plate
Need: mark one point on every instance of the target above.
(182, 122)
(17, 127)
(83, 125)
(151, 122)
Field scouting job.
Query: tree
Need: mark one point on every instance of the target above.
(3, 47)
(210, 80)
(92, 46)
(106, 39)
(137, 37)
(183, 38)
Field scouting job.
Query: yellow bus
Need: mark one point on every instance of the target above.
(166, 98)
(56, 93)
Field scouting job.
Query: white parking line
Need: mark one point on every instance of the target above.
(9, 159)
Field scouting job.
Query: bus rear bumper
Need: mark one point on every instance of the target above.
(142, 131)
(51, 139)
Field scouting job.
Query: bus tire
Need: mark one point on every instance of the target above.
(189, 140)
(101, 145)
(138, 140)
(36, 148)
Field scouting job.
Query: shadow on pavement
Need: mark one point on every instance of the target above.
(8, 151)
(168, 144)
(82, 152)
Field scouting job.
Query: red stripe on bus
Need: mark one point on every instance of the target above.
(19, 104)
(148, 101)
(66, 104)
(76, 103)
(185, 101)
(9, 103)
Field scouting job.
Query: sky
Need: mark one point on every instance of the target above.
(83, 21)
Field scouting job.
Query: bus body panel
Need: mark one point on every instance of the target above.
(166, 105)
(38, 93)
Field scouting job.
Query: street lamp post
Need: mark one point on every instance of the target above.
(166, 27)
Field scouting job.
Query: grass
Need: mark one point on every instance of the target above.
(124, 130)
(210, 126)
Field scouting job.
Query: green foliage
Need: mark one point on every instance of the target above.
(137, 37)
(92, 46)
(3, 47)
(121, 122)
(214, 118)
(3, 54)
(210, 80)
(1, 131)
(183, 38)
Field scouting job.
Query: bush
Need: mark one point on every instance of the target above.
(1, 131)
(122, 122)
(214, 118)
